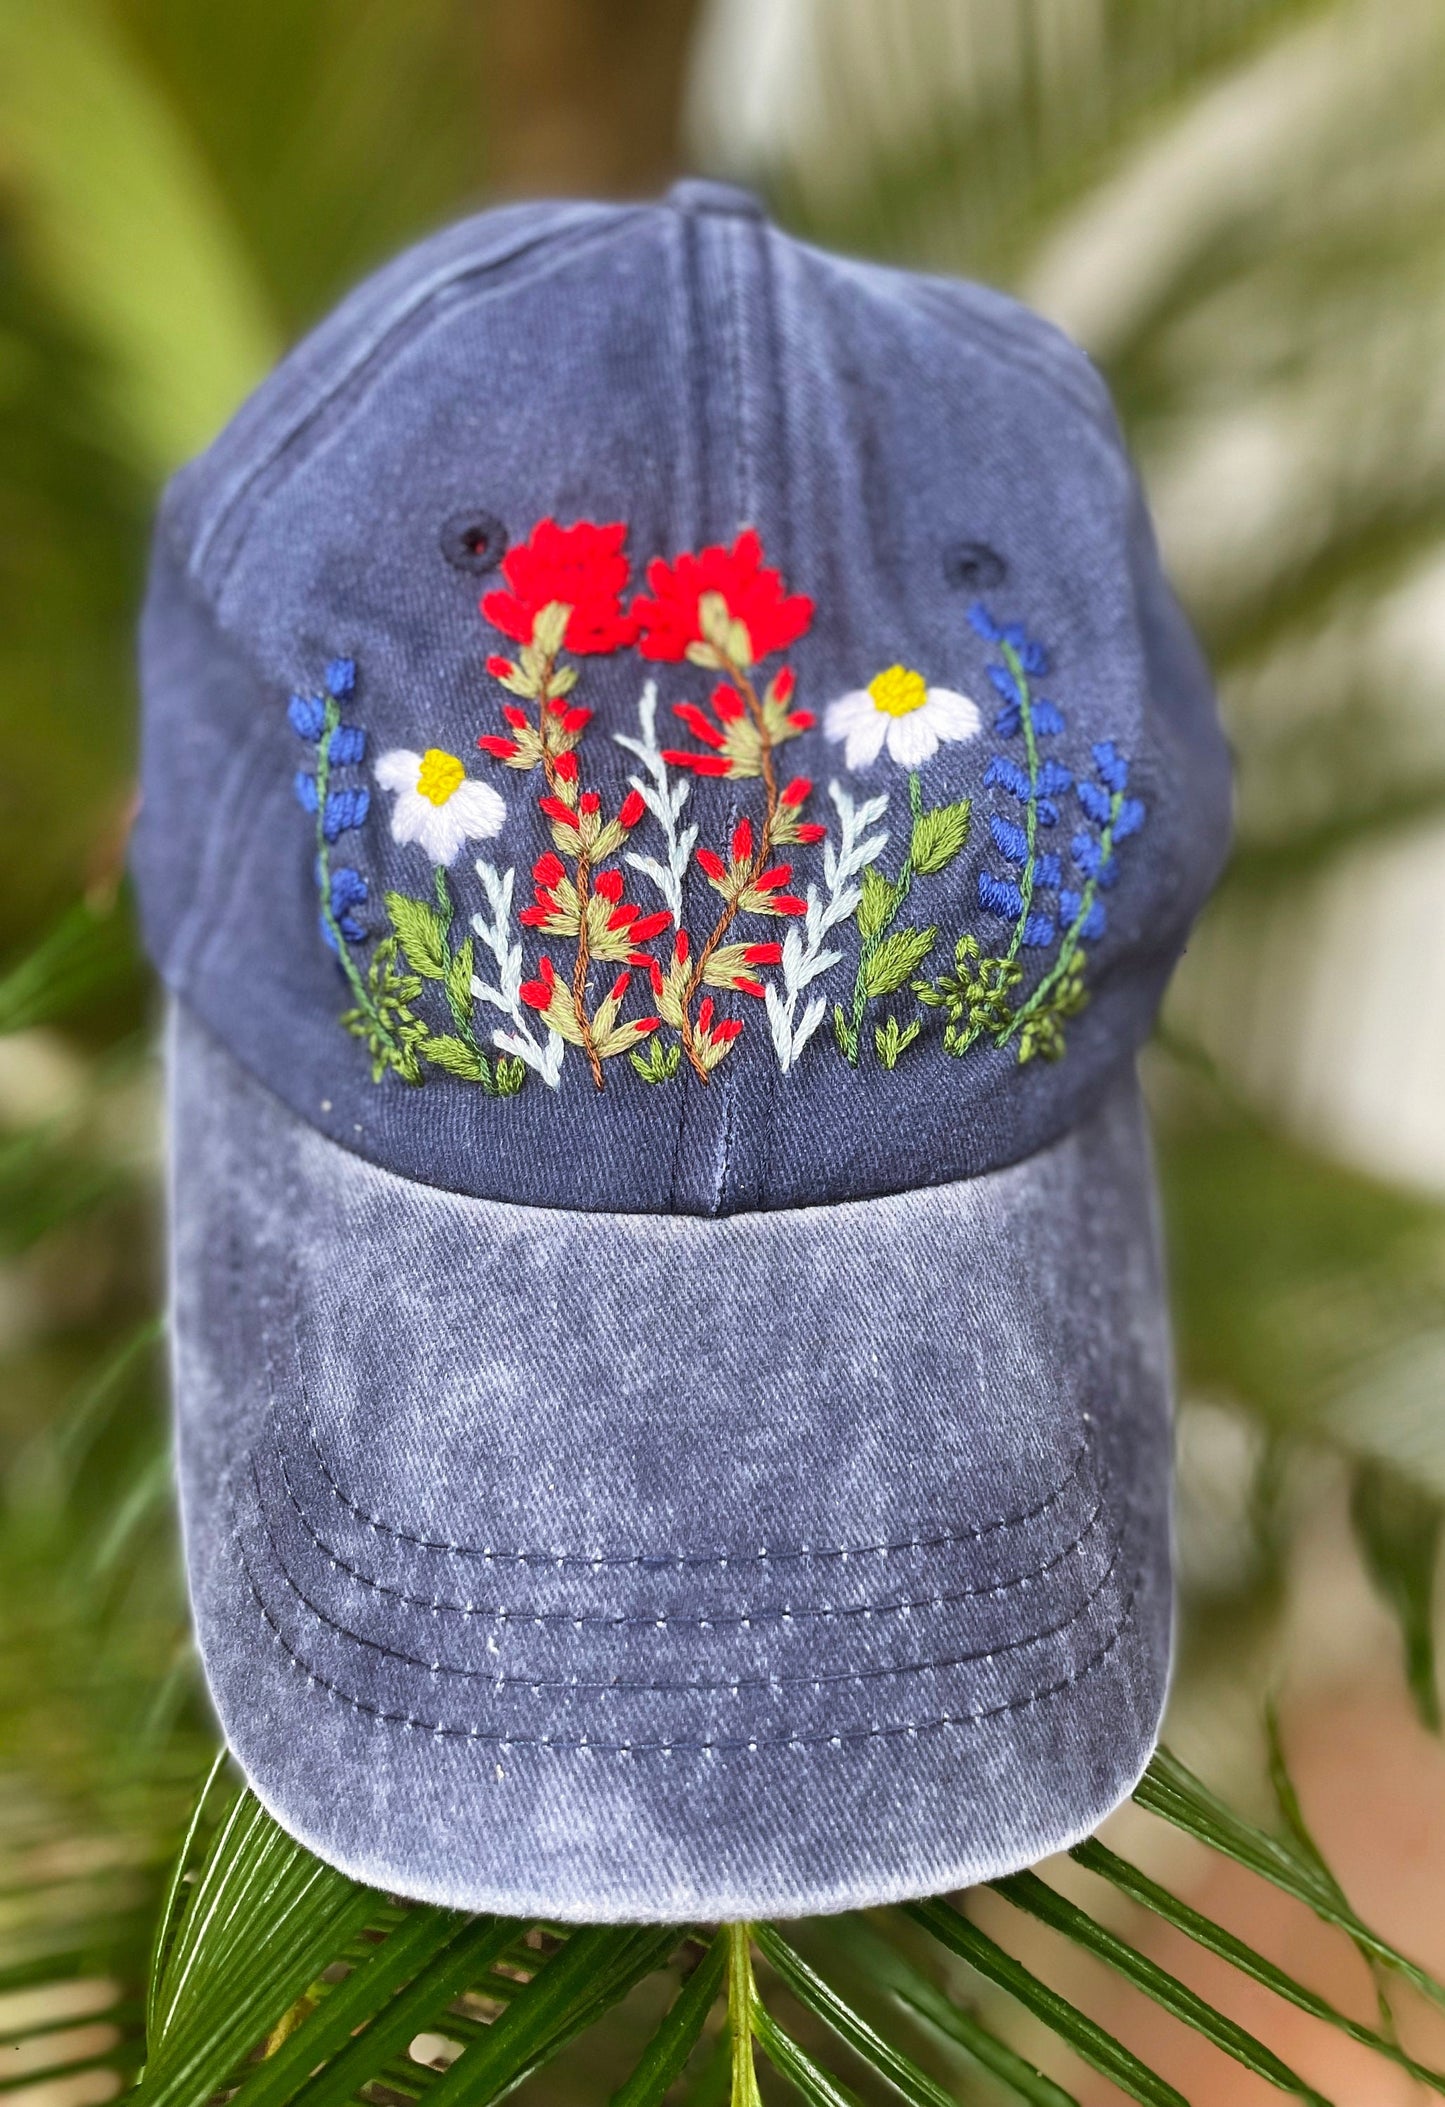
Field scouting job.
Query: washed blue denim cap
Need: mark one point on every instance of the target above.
(673, 784)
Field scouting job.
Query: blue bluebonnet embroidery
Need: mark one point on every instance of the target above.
(1047, 899)
(419, 945)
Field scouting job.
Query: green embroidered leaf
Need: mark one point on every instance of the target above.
(550, 627)
(659, 1064)
(509, 1074)
(421, 932)
(445, 1050)
(890, 1039)
(975, 996)
(843, 1033)
(897, 958)
(938, 836)
(1042, 1031)
(877, 904)
(459, 980)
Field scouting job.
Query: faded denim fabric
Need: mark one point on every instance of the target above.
(741, 1500)
(624, 1567)
(685, 369)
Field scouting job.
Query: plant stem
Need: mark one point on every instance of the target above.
(579, 970)
(1072, 935)
(756, 866)
(742, 1994)
(331, 717)
(580, 880)
(461, 1011)
(1031, 811)
(900, 888)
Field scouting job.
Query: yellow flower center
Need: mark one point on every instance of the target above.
(898, 691)
(439, 775)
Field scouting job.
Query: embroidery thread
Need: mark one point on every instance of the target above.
(447, 986)
(978, 996)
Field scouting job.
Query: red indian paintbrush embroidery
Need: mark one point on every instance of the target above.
(672, 620)
(724, 609)
(582, 568)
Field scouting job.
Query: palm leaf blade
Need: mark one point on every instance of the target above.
(593, 1971)
(1034, 1896)
(1098, 1858)
(672, 2044)
(1089, 2040)
(1172, 1792)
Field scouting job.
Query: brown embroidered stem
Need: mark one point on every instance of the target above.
(759, 863)
(579, 971)
(582, 878)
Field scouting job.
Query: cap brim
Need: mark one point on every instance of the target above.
(630, 1567)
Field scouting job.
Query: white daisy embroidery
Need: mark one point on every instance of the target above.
(436, 802)
(898, 707)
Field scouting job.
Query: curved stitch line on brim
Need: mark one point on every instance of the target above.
(437, 1605)
(445, 1730)
(622, 1686)
(970, 1533)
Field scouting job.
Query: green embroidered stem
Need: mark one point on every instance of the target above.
(1031, 811)
(742, 1998)
(459, 1000)
(901, 886)
(1072, 936)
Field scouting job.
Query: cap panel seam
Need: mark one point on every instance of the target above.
(455, 286)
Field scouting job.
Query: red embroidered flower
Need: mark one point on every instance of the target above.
(672, 618)
(584, 567)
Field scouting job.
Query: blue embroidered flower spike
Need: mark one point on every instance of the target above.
(977, 996)
(384, 994)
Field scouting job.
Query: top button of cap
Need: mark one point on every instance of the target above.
(698, 194)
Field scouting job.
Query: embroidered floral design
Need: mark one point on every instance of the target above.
(889, 956)
(447, 985)
(383, 1014)
(683, 617)
(1030, 893)
(845, 871)
(723, 609)
(436, 804)
(900, 710)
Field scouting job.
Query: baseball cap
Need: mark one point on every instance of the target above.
(673, 783)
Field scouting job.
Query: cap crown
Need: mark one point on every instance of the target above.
(644, 715)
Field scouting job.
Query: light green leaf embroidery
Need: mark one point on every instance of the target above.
(421, 933)
(659, 1064)
(938, 836)
(877, 905)
(445, 1050)
(975, 996)
(459, 979)
(896, 959)
(890, 1039)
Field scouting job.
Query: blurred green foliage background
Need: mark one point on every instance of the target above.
(1239, 207)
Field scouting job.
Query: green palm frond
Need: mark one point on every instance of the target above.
(269, 154)
(277, 1979)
